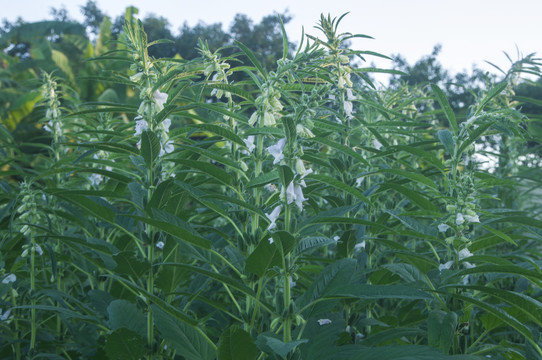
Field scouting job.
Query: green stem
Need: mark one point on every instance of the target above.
(33, 328)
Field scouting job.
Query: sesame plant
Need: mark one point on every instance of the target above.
(230, 211)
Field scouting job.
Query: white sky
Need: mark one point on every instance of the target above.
(470, 31)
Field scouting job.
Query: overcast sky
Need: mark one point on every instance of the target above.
(470, 31)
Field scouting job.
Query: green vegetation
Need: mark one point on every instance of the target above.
(239, 197)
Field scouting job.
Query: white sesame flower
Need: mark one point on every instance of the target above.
(465, 253)
(290, 193)
(459, 220)
(350, 95)
(160, 245)
(166, 124)
(160, 99)
(166, 149)
(95, 179)
(4, 316)
(359, 181)
(249, 142)
(468, 265)
(276, 150)
(445, 266)
(300, 168)
(39, 250)
(360, 245)
(273, 217)
(299, 196)
(443, 227)
(271, 240)
(324, 322)
(136, 77)
(472, 219)
(336, 238)
(292, 283)
(9, 279)
(141, 125)
(348, 108)
(377, 144)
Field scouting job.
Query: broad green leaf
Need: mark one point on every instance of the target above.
(124, 314)
(447, 139)
(124, 344)
(186, 340)
(236, 344)
(277, 346)
(313, 242)
(416, 177)
(445, 105)
(264, 179)
(269, 252)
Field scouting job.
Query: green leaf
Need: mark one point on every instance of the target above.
(473, 136)
(341, 148)
(124, 344)
(264, 179)
(208, 169)
(150, 148)
(93, 207)
(498, 313)
(417, 177)
(124, 314)
(289, 129)
(445, 105)
(496, 90)
(176, 231)
(328, 180)
(252, 58)
(221, 279)
(286, 175)
(186, 340)
(277, 346)
(268, 254)
(447, 139)
(220, 131)
(237, 344)
(313, 242)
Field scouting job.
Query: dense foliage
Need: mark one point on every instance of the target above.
(246, 204)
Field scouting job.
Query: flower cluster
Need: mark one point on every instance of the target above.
(268, 106)
(52, 116)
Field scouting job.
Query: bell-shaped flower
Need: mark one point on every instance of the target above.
(348, 108)
(160, 99)
(324, 322)
(4, 316)
(472, 219)
(141, 125)
(463, 254)
(249, 142)
(273, 217)
(160, 245)
(443, 227)
(166, 149)
(9, 279)
(445, 266)
(276, 150)
(377, 144)
(459, 219)
(300, 169)
(165, 125)
(299, 196)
